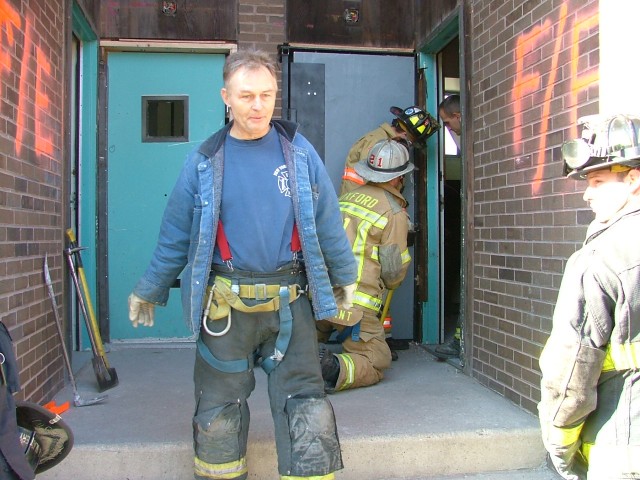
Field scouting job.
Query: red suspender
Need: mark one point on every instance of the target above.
(223, 244)
(295, 239)
(225, 251)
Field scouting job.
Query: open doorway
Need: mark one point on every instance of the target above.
(450, 190)
(442, 309)
(338, 96)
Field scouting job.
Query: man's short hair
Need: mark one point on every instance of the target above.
(250, 59)
(450, 105)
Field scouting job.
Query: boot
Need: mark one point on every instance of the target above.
(330, 366)
(451, 349)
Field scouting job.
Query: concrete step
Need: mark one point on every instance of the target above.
(425, 420)
(541, 473)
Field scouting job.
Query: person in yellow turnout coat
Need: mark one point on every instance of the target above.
(377, 226)
(413, 125)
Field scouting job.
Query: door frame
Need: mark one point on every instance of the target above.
(100, 197)
(432, 331)
(83, 104)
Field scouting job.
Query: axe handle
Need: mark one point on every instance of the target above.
(93, 323)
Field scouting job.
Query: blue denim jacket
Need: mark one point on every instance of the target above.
(188, 229)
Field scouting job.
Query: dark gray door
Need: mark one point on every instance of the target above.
(352, 98)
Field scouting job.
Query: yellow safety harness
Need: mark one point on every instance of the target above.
(224, 295)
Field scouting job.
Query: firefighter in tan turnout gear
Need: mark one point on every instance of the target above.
(412, 124)
(590, 391)
(377, 225)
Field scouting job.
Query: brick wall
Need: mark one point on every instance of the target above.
(262, 26)
(31, 134)
(534, 72)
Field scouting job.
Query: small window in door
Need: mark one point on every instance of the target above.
(165, 118)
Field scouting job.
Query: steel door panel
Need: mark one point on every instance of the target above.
(307, 102)
(359, 90)
(141, 175)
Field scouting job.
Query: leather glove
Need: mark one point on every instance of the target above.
(140, 311)
(344, 296)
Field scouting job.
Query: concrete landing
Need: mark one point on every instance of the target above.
(431, 421)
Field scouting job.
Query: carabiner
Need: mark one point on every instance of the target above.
(217, 334)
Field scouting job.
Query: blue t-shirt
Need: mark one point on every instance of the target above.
(256, 211)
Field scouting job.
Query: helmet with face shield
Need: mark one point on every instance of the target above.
(606, 142)
(418, 123)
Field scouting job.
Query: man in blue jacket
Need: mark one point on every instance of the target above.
(253, 225)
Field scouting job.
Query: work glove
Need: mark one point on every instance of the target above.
(344, 296)
(140, 311)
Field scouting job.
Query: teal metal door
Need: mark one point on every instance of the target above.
(160, 106)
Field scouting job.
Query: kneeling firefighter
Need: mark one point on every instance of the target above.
(377, 225)
(254, 222)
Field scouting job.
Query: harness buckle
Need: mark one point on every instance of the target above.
(260, 290)
(235, 288)
(295, 263)
(277, 355)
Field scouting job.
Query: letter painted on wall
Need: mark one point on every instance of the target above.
(34, 118)
(537, 81)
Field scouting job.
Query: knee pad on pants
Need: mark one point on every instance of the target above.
(315, 448)
(217, 434)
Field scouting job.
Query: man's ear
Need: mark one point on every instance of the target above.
(633, 177)
(223, 94)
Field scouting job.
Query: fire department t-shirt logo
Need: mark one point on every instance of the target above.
(282, 174)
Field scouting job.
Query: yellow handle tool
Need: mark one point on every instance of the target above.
(385, 307)
(107, 377)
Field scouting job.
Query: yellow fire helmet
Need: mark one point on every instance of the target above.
(606, 142)
(418, 124)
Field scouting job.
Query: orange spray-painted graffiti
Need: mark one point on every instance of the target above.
(528, 80)
(579, 80)
(32, 102)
